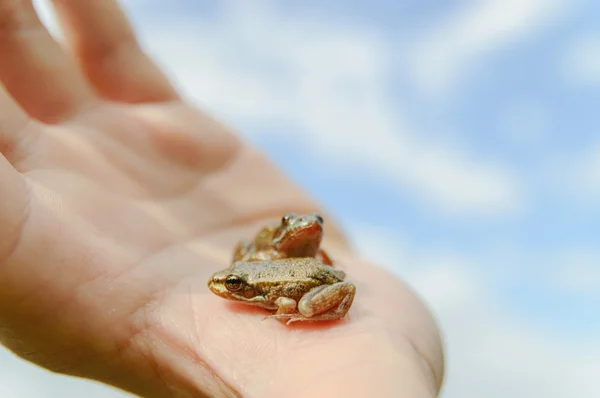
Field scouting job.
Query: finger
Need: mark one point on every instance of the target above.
(13, 119)
(105, 45)
(13, 207)
(37, 73)
(17, 129)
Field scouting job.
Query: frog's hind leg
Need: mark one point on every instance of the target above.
(323, 303)
(327, 302)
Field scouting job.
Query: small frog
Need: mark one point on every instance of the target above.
(299, 289)
(295, 236)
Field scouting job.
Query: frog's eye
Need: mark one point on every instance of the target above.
(233, 283)
(319, 218)
(286, 219)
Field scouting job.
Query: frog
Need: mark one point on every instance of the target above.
(293, 289)
(295, 236)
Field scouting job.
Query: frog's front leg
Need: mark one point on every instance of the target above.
(327, 302)
(286, 307)
(323, 257)
(241, 249)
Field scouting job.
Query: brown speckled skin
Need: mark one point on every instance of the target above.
(295, 236)
(291, 278)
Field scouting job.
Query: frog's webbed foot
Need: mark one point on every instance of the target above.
(289, 318)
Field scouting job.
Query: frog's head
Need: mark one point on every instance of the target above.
(232, 284)
(299, 235)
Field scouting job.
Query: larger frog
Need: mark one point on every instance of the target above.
(297, 289)
(295, 236)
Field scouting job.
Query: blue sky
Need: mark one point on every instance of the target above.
(457, 141)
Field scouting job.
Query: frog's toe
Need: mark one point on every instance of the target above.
(288, 318)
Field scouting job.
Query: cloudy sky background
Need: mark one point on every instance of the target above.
(457, 141)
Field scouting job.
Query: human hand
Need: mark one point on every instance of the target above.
(119, 200)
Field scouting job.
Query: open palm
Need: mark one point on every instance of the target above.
(118, 202)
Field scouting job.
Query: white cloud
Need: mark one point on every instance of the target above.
(581, 60)
(491, 350)
(328, 85)
(448, 54)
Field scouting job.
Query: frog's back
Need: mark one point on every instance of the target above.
(289, 269)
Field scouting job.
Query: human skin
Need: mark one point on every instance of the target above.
(119, 199)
